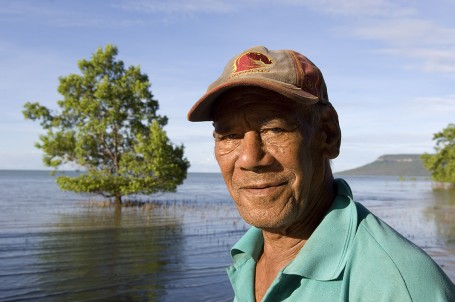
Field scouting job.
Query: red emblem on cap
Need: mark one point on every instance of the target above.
(251, 60)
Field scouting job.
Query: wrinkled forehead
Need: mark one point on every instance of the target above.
(252, 99)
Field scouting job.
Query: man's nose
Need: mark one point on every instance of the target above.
(253, 153)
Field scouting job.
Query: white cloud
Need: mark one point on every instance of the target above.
(403, 29)
(22, 11)
(178, 6)
(363, 8)
(431, 60)
(407, 32)
(58, 15)
(431, 46)
(440, 105)
(24, 8)
(357, 8)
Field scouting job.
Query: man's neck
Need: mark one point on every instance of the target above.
(281, 246)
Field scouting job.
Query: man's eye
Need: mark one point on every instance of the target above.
(274, 130)
(277, 130)
(230, 136)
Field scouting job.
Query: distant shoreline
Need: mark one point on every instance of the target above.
(401, 165)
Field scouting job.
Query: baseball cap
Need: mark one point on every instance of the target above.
(286, 72)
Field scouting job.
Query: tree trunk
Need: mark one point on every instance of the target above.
(118, 214)
(118, 199)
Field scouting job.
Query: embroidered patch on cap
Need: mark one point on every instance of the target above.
(251, 62)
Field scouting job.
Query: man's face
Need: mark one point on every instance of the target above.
(267, 162)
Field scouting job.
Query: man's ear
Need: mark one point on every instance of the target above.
(331, 133)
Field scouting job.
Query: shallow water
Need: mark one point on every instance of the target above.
(59, 246)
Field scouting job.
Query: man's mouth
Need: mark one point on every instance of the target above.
(263, 186)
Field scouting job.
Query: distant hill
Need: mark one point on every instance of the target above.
(392, 165)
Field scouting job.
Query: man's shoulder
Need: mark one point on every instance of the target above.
(390, 262)
(373, 234)
(370, 227)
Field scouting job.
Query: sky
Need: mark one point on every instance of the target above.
(389, 65)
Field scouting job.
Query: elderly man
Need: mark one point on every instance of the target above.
(275, 133)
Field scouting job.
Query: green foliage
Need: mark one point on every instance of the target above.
(108, 125)
(442, 163)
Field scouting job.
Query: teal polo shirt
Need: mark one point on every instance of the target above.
(351, 256)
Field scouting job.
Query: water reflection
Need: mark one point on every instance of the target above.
(102, 255)
(160, 252)
(443, 213)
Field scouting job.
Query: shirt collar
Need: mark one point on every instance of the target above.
(249, 246)
(324, 255)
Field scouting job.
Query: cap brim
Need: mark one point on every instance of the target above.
(202, 109)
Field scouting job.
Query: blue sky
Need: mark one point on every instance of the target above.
(389, 65)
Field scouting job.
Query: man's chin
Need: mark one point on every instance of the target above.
(265, 223)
